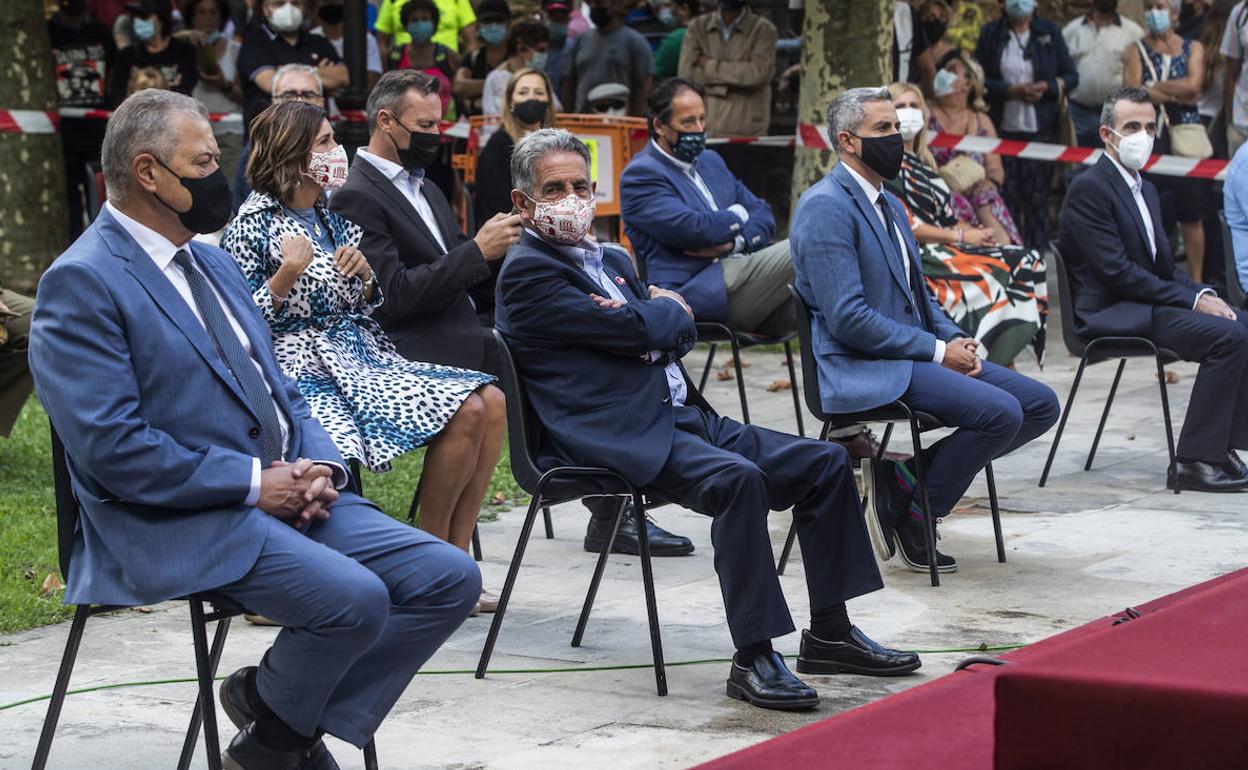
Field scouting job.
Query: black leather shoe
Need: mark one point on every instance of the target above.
(865, 445)
(233, 696)
(877, 488)
(767, 683)
(319, 758)
(1236, 464)
(912, 545)
(246, 752)
(856, 655)
(662, 542)
(1198, 476)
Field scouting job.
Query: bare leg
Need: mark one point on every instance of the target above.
(1194, 244)
(464, 517)
(449, 465)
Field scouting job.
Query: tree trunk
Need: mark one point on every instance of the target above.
(845, 44)
(32, 177)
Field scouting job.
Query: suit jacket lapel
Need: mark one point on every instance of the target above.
(1124, 192)
(1164, 263)
(397, 200)
(887, 241)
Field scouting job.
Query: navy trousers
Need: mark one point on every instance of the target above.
(737, 474)
(366, 600)
(995, 413)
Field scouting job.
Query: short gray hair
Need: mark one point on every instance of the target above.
(845, 113)
(1109, 112)
(287, 69)
(537, 145)
(392, 88)
(143, 123)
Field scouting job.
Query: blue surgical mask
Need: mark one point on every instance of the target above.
(538, 60)
(144, 29)
(943, 83)
(1157, 21)
(558, 33)
(1017, 9)
(421, 31)
(667, 17)
(493, 34)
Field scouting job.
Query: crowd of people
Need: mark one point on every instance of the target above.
(346, 318)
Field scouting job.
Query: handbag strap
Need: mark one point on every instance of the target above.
(1148, 62)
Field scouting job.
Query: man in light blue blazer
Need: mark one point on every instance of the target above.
(197, 465)
(879, 336)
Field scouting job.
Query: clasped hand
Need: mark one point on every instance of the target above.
(1215, 306)
(297, 492)
(960, 356)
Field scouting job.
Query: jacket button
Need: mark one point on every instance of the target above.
(254, 433)
(666, 400)
(909, 310)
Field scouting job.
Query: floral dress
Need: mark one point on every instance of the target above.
(996, 294)
(375, 404)
(965, 206)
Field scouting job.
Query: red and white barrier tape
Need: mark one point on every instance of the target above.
(41, 122)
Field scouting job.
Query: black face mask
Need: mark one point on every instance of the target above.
(331, 14)
(688, 145)
(210, 201)
(530, 111)
(935, 30)
(1186, 12)
(1105, 6)
(600, 16)
(421, 149)
(882, 154)
(731, 6)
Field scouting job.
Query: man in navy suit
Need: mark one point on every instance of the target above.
(598, 354)
(1124, 283)
(879, 336)
(197, 465)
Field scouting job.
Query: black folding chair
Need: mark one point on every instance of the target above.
(206, 658)
(1095, 351)
(563, 484)
(1235, 291)
(897, 411)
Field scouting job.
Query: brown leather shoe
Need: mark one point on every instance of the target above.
(865, 446)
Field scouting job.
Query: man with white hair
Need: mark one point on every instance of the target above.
(198, 467)
(598, 353)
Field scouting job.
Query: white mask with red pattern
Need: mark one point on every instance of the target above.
(565, 221)
(329, 169)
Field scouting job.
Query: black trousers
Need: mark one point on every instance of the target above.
(737, 474)
(1217, 414)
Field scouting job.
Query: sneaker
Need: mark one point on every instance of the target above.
(877, 484)
(912, 545)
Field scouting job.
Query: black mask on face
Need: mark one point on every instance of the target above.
(882, 154)
(210, 201)
(331, 14)
(731, 6)
(600, 16)
(935, 30)
(1105, 6)
(421, 148)
(530, 111)
(1186, 12)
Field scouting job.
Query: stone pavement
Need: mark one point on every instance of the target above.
(1089, 544)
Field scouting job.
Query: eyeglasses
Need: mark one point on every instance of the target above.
(602, 107)
(312, 97)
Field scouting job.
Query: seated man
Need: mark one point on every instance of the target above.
(879, 336)
(1124, 283)
(597, 351)
(15, 383)
(198, 466)
(426, 266)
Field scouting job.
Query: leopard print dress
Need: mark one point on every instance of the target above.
(375, 404)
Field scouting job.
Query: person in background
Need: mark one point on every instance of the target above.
(290, 83)
(1097, 41)
(1236, 208)
(493, 18)
(458, 26)
(83, 57)
(106, 12)
(910, 41)
(966, 21)
(609, 53)
(1175, 91)
(1192, 18)
(527, 43)
(1235, 93)
(15, 381)
(211, 32)
(1213, 113)
(608, 99)
(1026, 68)
(667, 55)
(934, 16)
(330, 13)
(154, 46)
(647, 18)
(557, 13)
(420, 19)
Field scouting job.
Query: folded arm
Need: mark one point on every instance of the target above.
(649, 203)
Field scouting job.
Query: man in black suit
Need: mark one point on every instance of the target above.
(598, 355)
(426, 266)
(1124, 282)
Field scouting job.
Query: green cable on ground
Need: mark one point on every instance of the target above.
(463, 671)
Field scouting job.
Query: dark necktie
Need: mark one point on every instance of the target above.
(236, 358)
(908, 265)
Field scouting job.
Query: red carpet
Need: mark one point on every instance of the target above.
(1166, 690)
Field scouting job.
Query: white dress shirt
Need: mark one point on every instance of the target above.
(1019, 116)
(873, 194)
(162, 251)
(741, 212)
(409, 185)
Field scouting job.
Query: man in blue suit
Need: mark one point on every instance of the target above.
(879, 336)
(197, 465)
(1124, 283)
(598, 353)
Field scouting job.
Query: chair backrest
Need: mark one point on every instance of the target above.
(1234, 290)
(522, 425)
(810, 367)
(1066, 303)
(66, 503)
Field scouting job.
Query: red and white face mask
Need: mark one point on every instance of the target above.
(329, 169)
(565, 221)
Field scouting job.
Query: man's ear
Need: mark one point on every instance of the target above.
(143, 169)
(518, 201)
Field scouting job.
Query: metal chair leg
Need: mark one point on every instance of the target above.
(736, 365)
(888, 434)
(706, 370)
(824, 431)
(996, 512)
(192, 729)
(415, 506)
(370, 755)
(81, 613)
(1109, 402)
(509, 583)
(599, 568)
(1165, 411)
(550, 527)
(929, 521)
(797, 400)
(1061, 425)
(203, 666)
(788, 548)
(476, 542)
(647, 579)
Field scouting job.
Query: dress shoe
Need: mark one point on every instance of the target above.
(857, 654)
(864, 445)
(1236, 463)
(319, 758)
(246, 752)
(766, 682)
(662, 542)
(912, 545)
(260, 620)
(237, 706)
(1198, 476)
(488, 601)
(877, 488)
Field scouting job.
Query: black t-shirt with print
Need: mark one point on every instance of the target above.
(178, 62)
(263, 49)
(83, 57)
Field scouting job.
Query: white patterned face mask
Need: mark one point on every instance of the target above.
(329, 169)
(565, 221)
